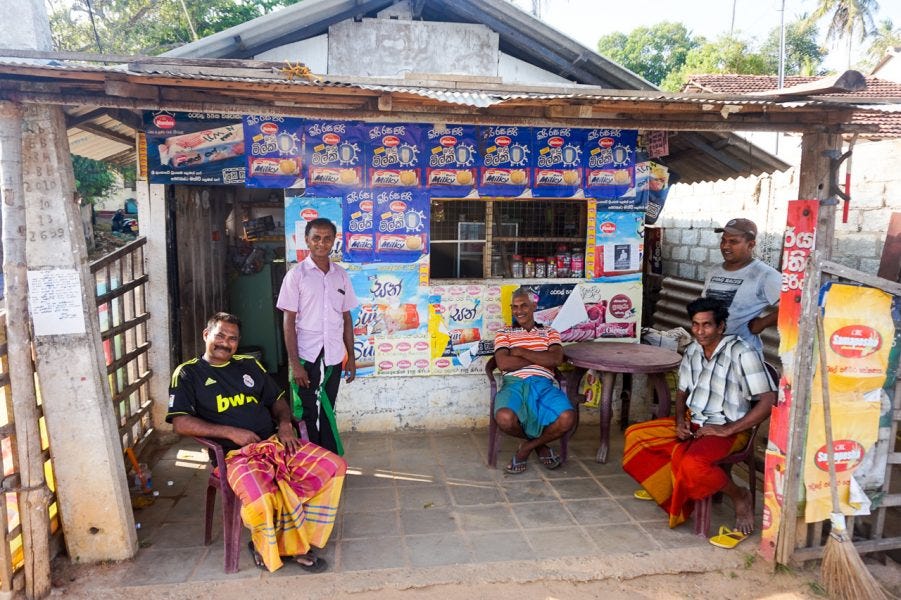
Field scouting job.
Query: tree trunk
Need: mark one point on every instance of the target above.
(33, 496)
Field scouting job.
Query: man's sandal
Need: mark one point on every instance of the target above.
(317, 565)
(551, 460)
(516, 466)
(256, 557)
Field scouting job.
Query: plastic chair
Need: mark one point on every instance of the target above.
(494, 432)
(747, 455)
(231, 506)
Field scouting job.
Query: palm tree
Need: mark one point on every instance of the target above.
(847, 17)
(885, 36)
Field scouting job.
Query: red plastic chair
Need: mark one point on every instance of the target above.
(494, 432)
(747, 455)
(231, 506)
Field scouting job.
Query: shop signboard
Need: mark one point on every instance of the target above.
(300, 210)
(505, 168)
(451, 167)
(402, 225)
(609, 156)
(333, 155)
(194, 148)
(273, 151)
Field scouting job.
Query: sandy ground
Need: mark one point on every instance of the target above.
(750, 578)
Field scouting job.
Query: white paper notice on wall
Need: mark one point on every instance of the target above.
(54, 299)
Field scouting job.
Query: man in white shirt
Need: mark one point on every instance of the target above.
(745, 285)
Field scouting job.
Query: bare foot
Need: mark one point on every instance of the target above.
(744, 512)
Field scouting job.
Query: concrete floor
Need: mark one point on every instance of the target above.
(417, 501)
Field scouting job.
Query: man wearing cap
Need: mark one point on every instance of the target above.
(746, 285)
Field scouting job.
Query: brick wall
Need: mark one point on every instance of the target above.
(690, 245)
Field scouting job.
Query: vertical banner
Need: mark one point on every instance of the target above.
(274, 147)
(359, 233)
(452, 159)
(505, 169)
(618, 244)
(300, 210)
(591, 214)
(800, 232)
(394, 155)
(558, 161)
(401, 224)
(610, 163)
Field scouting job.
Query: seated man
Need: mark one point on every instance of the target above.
(529, 405)
(288, 489)
(719, 379)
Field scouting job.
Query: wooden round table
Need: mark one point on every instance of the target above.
(610, 358)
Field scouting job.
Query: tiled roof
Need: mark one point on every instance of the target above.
(889, 124)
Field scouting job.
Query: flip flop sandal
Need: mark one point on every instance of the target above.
(642, 494)
(727, 538)
(318, 565)
(256, 557)
(551, 460)
(516, 466)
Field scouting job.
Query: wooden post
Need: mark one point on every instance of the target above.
(813, 184)
(33, 496)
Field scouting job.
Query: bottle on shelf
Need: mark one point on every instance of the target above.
(540, 268)
(528, 267)
(516, 267)
(563, 260)
(551, 267)
(577, 263)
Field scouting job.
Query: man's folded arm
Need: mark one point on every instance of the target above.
(549, 359)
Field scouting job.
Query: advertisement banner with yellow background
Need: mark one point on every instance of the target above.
(859, 331)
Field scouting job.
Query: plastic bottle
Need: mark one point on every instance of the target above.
(551, 267)
(577, 263)
(563, 260)
(528, 267)
(517, 267)
(540, 268)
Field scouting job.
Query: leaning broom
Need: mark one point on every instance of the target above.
(844, 575)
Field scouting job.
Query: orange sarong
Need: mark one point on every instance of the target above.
(673, 472)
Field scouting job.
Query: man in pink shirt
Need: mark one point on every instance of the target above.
(316, 298)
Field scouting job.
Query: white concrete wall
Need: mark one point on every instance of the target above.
(514, 70)
(312, 52)
(692, 211)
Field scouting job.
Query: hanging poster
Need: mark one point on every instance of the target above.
(618, 243)
(392, 305)
(452, 157)
(558, 161)
(505, 153)
(460, 309)
(195, 148)
(274, 146)
(859, 331)
(652, 182)
(300, 210)
(402, 218)
(610, 162)
(393, 155)
(333, 155)
(359, 234)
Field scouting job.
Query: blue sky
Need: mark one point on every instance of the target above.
(587, 20)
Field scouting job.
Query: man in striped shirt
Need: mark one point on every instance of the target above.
(724, 391)
(529, 405)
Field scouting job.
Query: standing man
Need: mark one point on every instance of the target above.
(744, 284)
(724, 391)
(288, 488)
(316, 298)
(529, 405)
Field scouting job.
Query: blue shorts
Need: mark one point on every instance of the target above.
(536, 400)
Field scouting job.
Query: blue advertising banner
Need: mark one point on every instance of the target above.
(392, 305)
(333, 155)
(619, 243)
(402, 218)
(610, 163)
(194, 148)
(505, 168)
(359, 233)
(273, 151)
(558, 161)
(300, 210)
(452, 159)
(394, 155)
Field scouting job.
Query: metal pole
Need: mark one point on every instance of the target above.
(781, 59)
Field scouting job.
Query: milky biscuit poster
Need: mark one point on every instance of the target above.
(195, 148)
(558, 161)
(610, 162)
(402, 225)
(451, 169)
(394, 155)
(505, 153)
(333, 155)
(359, 233)
(273, 151)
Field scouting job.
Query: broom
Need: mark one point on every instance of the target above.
(844, 575)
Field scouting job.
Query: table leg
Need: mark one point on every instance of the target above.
(607, 381)
(663, 395)
(625, 397)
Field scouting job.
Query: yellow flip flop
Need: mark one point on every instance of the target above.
(642, 494)
(727, 538)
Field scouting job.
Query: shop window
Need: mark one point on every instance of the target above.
(475, 239)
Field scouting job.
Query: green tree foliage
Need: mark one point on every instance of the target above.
(846, 18)
(803, 54)
(885, 36)
(93, 179)
(146, 27)
(727, 54)
(652, 52)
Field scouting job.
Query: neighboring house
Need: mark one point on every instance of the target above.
(692, 211)
(889, 68)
